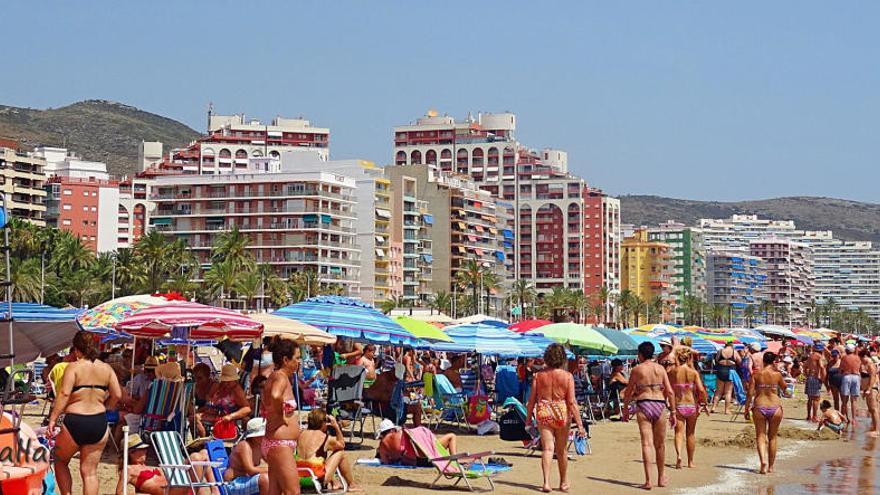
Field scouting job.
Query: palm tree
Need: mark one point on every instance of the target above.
(247, 285)
(390, 304)
(749, 315)
(624, 306)
(658, 306)
(602, 297)
(231, 247)
(765, 308)
(469, 276)
(524, 294)
(558, 304)
(490, 284)
(80, 287)
(25, 279)
(598, 311)
(130, 274)
(303, 285)
(277, 291)
(152, 250)
(220, 281)
(70, 255)
(180, 283)
(718, 312)
(441, 301)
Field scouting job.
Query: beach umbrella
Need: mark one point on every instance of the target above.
(813, 334)
(423, 316)
(37, 330)
(543, 342)
(626, 346)
(659, 329)
(481, 318)
(776, 331)
(718, 336)
(578, 336)
(292, 329)
(638, 338)
(422, 329)
(104, 317)
(350, 318)
(698, 343)
(528, 325)
(201, 322)
(487, 340)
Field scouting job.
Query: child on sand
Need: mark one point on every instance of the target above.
(832, 418)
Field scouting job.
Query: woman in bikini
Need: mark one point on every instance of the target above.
(869, 388)
(649, 387)
(765, 407)
(282, 421)
(689, 393)
(833, 377)
(322, 452)
(726, 361)
(148, 480)
(88, 389)
(552, 405)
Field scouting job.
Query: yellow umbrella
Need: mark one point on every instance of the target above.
(422, 329)
(292, 329)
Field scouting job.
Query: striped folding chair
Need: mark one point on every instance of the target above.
(163, 401)
(178, 468)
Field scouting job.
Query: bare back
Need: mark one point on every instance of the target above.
(88, 385)
(648, 381)
(686, 384)
(552, 384)
(766, 385)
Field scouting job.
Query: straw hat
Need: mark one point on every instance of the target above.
(136, 442)
(229, 373)
(151, 363)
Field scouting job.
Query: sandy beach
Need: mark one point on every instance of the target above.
(726, 461)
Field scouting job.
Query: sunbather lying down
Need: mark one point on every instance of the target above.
(396, 448)
(323, 453)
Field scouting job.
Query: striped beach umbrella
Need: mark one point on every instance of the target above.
(350, 318)
(488, 340)
(201, 322)
(37, 329)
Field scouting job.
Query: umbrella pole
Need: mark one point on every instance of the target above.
(8, 287)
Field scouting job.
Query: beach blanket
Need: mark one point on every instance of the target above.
(374, 462)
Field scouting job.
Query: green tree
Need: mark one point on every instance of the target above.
(524, 294)
(468, 277)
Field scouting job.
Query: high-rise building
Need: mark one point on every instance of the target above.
(23, 182)
(790, 282)
(553, 210)
(738, 231)
(295, 221)
(735, 281)
(688, 275)
(646, 271)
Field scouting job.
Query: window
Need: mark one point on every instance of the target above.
(68, 192)
(85, 193)
(94, 208)
(65, 222)
(65, 207)
(94, 193)
(85, 208)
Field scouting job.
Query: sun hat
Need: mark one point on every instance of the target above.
(256, 427)
(666, 341)
(850, 348)
(445, 364)
(135, 442)
(384, 426)
(151, 363)
(755, 346)
(229, 373)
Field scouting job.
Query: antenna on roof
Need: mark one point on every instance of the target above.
(210, 111)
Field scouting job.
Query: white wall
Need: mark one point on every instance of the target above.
(108, 218)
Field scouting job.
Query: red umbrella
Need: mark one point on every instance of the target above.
(528, 325)
(203, 322)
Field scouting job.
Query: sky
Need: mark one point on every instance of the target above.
(694, 100)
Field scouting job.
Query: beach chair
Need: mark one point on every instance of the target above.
(178, 468)
(217, 453)
(452, 404)
(310, 476)
(345, 397)
(163, 401)
(449, 466)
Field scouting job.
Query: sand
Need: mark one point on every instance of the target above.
(726, 461)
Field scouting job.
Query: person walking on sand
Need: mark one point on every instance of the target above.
(814, 371)
(869, 387)
(689, 392)
(725, 361)
(765, 408)
(552, 405)
(833, 376)
(850, 366)
(649, 387)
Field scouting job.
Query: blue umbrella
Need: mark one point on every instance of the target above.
(488, 340)
(537, 338)
(37, 330)
(350, 318)
(626, 345)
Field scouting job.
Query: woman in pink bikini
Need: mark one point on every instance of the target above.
(765, 407)
(552, 405)
(689, 393)
(282, 421)
(650, 388)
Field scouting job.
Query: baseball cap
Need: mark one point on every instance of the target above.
(835, 352)
(850, 348)
(256, 427)
(385, 426)
(755, 346)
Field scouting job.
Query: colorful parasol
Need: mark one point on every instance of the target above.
(578, 336)
(104, 317)
(528, 325)
(293, 329)
(202, 322)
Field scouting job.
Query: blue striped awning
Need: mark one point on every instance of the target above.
(33, 312)
(350, 318)
(37, 330)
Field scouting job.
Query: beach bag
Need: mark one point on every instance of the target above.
(224, 430)
(477, 409)
(513, 428)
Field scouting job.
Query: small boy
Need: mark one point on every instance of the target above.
(831, 418)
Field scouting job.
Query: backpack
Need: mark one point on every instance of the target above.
(513, 428)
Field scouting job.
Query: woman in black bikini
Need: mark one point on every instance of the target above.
(725, 361)
(89, 387)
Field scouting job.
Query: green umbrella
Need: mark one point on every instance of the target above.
(422, 329)
(578, 336)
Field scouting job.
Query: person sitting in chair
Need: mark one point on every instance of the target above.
(323, 450)
(151, 481)
(245, 475)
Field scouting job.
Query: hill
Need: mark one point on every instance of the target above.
(97, 130)
(851, 220)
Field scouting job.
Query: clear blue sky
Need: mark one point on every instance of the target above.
(684, 99)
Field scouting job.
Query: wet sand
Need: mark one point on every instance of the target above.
(726, 461)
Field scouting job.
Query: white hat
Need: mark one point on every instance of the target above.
(850, 348)
(385, 425)
(666, 341)
(445, 364)
(787, 359)
(256, 428)
(755, 346)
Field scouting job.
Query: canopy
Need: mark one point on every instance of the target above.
(481, 318)
(579, 336)
(776, 330)
(349, 318)
(626, 346)
(488, 340)
(422, 329)
(203, 322)
(104, 317)
(37, 330)
(292, 329)
(527, 325)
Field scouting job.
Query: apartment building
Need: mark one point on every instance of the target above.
(646, 271)
(466, 224)
(295, 221)
(23, 182)
(790, 282)
(734, 280)
(688, 275)
(551, 207)
(738, 231)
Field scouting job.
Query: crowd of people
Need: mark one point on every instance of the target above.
(262, 392)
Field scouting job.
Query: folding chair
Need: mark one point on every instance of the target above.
(176, 465)
(162, 406)
(315, 474)
(346, 388)
(450, 402)
(217, 453)
(448, 466)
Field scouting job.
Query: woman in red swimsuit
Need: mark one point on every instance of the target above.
(149, 480)
(282, 420)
